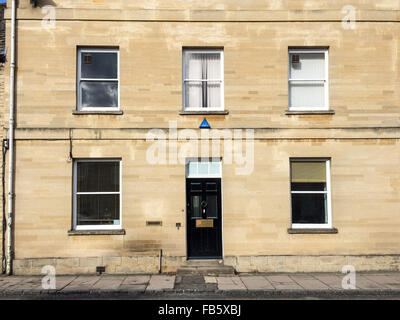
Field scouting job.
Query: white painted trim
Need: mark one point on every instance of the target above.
(327, 225)
(221, 81)
(324, 81)
(80, 79)
(75, 193)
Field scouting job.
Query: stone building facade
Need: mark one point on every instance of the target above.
(110, 98)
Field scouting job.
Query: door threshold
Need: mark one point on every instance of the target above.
(204, 258)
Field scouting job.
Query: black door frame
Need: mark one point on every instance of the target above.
(188, 257)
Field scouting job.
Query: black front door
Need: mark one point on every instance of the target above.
(204, 227)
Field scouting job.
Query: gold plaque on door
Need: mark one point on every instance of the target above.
(204, 223)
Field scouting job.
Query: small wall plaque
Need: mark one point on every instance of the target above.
(153, 223)
(204, 223)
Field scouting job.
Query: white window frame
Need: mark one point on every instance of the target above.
(325, 81)
(327, 225)
(221, 81)
(80, 79)
(75, 193)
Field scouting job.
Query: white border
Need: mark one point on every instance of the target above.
(74, 214)
(205, 50)
(327, 225)
(324, 81)
(79, 79)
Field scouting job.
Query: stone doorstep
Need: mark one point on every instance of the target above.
(206, 270)
(204, 263)
(205, 267)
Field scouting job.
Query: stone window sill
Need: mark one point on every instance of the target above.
(186, 113)
(310, 112)
(312, 231)
(96, 232)
(79, 113)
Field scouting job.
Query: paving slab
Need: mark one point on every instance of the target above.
(194, 283)
(230, 283)
(136, 280)
(256, 283)
(367, 284)
(63, 281)
(6, 282)
(108, 283)
(160, 283)
(82, 283)
(283, 282)
(208, 279)
(31, 284)
(383, 280)
(309, 282)
(394, 275)
(333, 281)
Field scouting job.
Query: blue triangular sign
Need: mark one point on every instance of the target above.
(205, 124)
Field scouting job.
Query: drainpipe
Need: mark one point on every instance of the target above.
(11, 142)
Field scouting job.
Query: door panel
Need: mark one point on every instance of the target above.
(204, 226)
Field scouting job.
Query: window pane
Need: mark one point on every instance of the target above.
(308, 186)
(192, 168)
(309, 208)
(311, 66)
(99, 94)
(213, 94)
(205, 66)
(215, 167)
(202, 65)
(202, 94)
(213, 66)
(98, 176)
(308, 171)
(307, 95)
(196, 210)
(193, 66)
(193, 94)
(203, 167)
(99, 65)
(95, 209)
(212, 206)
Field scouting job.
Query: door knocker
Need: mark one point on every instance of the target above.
(204, 206)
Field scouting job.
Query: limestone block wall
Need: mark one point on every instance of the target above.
(256, 209)
(363, 73)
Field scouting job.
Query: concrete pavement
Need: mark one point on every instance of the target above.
(376, 283)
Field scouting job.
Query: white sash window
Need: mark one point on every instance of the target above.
(310, 193)
(203, 83)
(98, 79)
(308, 80)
